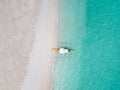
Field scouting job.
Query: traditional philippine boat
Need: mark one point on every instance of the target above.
(62, 50)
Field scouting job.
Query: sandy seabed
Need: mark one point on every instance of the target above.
(28, 31)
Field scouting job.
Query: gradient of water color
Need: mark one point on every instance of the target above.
(92, 27)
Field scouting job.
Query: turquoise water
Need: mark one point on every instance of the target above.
(92, 28)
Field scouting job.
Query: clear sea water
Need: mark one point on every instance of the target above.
(92, 29)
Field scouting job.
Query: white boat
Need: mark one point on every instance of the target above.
(62, 50)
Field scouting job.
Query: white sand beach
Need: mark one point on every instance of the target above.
(28, 31)
(39, 75)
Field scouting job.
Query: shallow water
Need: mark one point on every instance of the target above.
(91, 28)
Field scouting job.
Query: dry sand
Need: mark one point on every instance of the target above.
(41, 60)
(17, 32)
(28, 30)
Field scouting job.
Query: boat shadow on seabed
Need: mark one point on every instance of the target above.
(63, 50)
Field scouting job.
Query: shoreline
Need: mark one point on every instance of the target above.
(39, 75)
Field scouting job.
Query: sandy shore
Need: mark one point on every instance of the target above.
(39, 76)
(28, 31)
(17, 36)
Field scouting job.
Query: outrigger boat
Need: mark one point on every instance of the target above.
(62, 50)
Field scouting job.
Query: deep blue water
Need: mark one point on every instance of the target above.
(92, 29)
